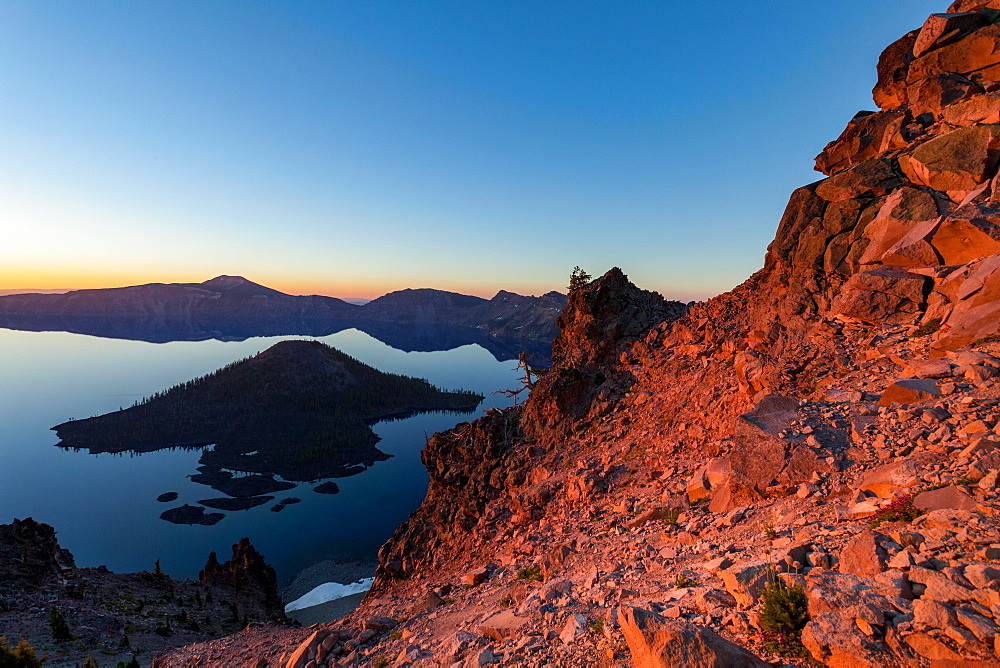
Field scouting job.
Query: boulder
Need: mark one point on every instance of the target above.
(891, 479)
(576, 626)
(476, 576)
(501, 625)
(866, 136)
(929, 95)
(938, 586)
(982, 575)
(759, 455)
(893, 65)
(977, 311)
(715, 473)
(936, 614)
(937, 368)
(854, 596)
(946, 497)
(862, 555)
(955, 162)
(835, 640)
(931, 648)
(657, 642)
(882, 294)
(976, 53)
(746, 581)
(871, 177)
(909, 391)
(914, 249)
(901, 210)
(976, 110)
(959, 241)
(984, 629)
(941, 29)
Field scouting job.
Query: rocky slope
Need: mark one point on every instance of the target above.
(833, 423)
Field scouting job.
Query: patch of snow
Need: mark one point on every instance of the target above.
(329, 591)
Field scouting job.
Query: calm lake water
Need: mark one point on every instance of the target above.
(104, 507)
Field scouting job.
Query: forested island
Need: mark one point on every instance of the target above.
(300, 409)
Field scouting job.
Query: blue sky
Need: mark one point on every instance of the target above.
(352, 148)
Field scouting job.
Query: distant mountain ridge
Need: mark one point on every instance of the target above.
(505, 315)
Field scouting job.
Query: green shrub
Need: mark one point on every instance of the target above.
(770, 532)
(22, 656)
(992, 338)
(531, 573)
(596, 625)
(380, 661)
(683, 581)
(578, 278)
(968, 480)
(784, 613)
(132, 663)
(926, 329)
(58, 626)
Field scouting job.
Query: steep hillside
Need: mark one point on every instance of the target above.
(830, 425)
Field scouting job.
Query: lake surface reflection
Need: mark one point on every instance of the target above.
(104, 507)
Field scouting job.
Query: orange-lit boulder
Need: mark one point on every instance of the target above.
(941, 29)
(902, 211)
(866, 136)
(972, 5)
(961, 241)
(882, 294)
(890, 91)
(956, 162)
(975, 53)
(978, 109)
(871, 177)
(914, 249)
(934, 93)
(976, 313)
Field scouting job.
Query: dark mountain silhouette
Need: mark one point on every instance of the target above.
(234, 308)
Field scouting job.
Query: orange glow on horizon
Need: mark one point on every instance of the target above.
(41, 279)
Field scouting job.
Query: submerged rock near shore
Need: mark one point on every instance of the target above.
(804, 469)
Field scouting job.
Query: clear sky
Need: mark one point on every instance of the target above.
(352, 148)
